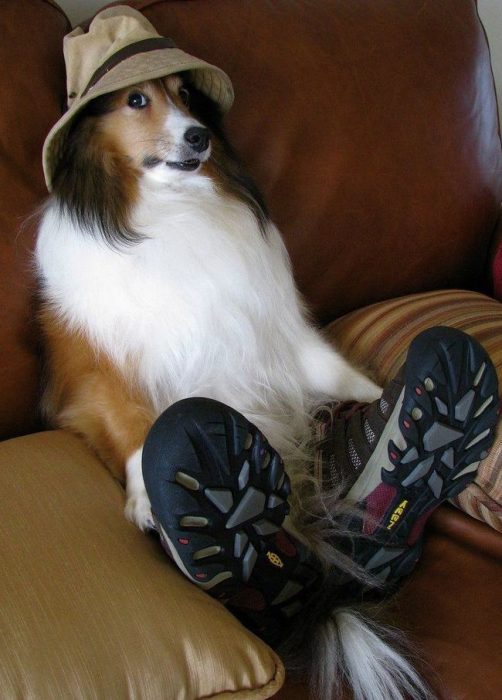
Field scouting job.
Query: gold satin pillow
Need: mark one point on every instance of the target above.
(91, 607)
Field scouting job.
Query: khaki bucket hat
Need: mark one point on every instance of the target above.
(119, 49)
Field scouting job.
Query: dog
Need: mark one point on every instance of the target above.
(162, 277)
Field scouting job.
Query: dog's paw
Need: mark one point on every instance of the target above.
(139, 511)
(370, 392)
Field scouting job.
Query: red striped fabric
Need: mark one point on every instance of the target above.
(377, 338)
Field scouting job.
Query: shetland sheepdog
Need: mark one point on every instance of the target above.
(162, 277)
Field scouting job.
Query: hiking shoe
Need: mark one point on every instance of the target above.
(219, 498)
(401, 456)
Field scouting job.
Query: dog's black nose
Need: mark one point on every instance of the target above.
(198, 138)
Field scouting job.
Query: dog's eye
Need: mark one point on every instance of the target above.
(185, 96)
(137, 100)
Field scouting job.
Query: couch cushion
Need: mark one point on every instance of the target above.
(378, 337)
(91, 607)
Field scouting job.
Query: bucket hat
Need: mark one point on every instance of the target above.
(119, 49)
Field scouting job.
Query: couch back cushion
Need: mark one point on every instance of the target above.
(370, 127)
(372, 130)
(32, 86)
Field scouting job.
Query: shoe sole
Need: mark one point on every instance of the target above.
(441, 428)
(219, 496)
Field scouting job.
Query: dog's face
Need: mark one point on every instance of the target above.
(152, 126)
(164, 132)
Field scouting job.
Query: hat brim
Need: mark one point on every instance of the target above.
(209, 79)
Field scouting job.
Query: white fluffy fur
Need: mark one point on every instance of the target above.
(137, 509)
(206, 306)
(363, 654)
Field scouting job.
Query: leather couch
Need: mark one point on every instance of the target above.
(372, 130)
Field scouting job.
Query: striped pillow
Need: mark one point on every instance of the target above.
(377, 337)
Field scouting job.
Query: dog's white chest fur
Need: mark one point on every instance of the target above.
(204, 305)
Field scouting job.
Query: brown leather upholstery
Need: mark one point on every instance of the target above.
(32, 86)
(451, 608)
(372, 129)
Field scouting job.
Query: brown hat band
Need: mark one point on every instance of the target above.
(142, 46)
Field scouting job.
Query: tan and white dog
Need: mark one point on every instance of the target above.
(162, 277)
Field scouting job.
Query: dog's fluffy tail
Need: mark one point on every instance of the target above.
(348, 648)
(338, 641)
(351, 647)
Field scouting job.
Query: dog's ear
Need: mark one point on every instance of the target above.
(93, 183)
(230, 171)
